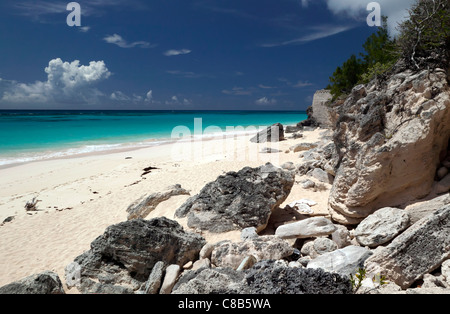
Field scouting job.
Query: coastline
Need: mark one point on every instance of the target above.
(81, 196)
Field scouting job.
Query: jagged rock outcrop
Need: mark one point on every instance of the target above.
(43, 283)
(238, 200)
(121, 259)
(391, 137)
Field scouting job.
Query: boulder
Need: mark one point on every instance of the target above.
(275, 277)
(322, 176)
(381, 227)
(443, 186)
(212, 281)
(384, 137)
(231, 254)
(170, 278)
(43, 283)
(274, 133)
(292, 129)
(238, 200)
(344, 261)
(145, 205)
(417, 251)
(318, 247)
(153, 283)
(126, 253)
(341, 236)
(307, 228)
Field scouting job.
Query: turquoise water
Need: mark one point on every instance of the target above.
(35, 135)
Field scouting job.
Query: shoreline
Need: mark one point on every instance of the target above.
(80, 197)
(79, 151)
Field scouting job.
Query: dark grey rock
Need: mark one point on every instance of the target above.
(43, 283)
(238, 200)
(127, 252)
(274, 133)
(272, 277)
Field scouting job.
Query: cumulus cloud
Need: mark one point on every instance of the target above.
(122, 43)
(174, 52)
(396, 11)
(266, 101)
(66, 82)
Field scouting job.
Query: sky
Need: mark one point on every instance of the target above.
(178, 54)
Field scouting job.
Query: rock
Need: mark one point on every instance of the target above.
(43, 283)
(341, 236)
(288, 166)
(249, 233)
(154, 280)
(247, 263)
(145, 205)
(238, 200)
(297, 135)
(206, 250)
(383, 138)
(443, 186)
(268, 150)
(201, 263)
(381, 227)
(303, 206)
(445, 269)
(124, 256)
(442, 172)
(344, 261)
(417, 251)
(274, 133)
(320, 110)
(229, 254)
(212, 281)
(170, 278)
(307, 228)
(322, 176)
(273, 277)
(318, 247)
(292, 129)
(422, 209)
(302, 147)
(308, 184)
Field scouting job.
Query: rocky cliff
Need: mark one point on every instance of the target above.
(391, 136)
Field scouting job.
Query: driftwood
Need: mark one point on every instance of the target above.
(31, 206)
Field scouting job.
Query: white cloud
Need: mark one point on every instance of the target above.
(317, 32)
(119, 96)
(66, 82)
(174, 52)
(266, 101)
(301, 84)
(174, 100)
(305, 3)
(149, 96)
(396, 11)
(122, 43)
(85, 29)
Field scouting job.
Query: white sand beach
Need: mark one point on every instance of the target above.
(80, 197)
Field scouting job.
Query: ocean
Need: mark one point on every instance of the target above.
(37, 135)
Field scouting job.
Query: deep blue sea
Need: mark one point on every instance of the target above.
(35, 135)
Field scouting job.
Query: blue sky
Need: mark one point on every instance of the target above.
(178, 54)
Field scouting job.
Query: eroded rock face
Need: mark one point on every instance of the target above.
(123, 257)
(238, 200)
(389, 139)
(274, 133)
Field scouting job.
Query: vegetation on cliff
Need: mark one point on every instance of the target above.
(423, 41)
